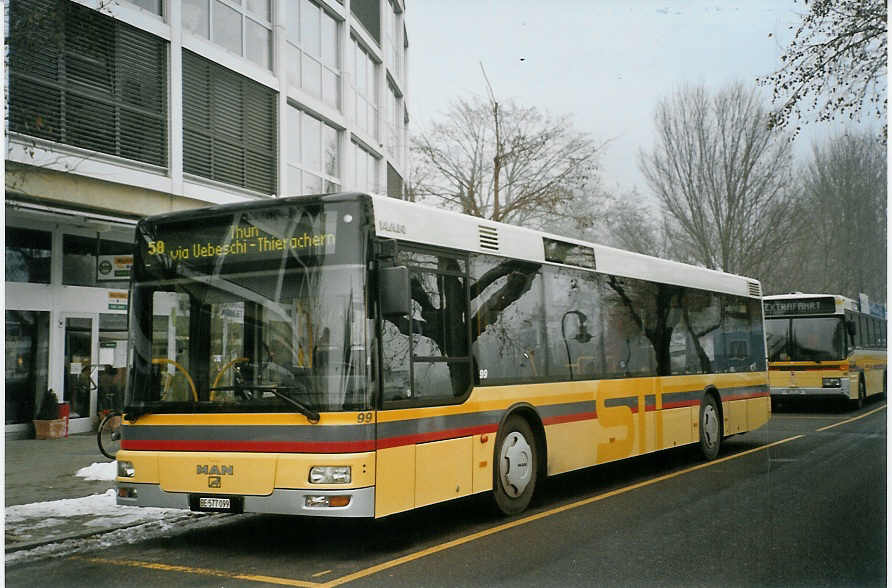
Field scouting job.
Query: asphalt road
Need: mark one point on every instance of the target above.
(800, 502)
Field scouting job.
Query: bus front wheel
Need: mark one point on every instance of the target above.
(515, 466)
(862, 393)
(710, 427)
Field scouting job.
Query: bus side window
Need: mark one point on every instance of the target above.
(851, 330)
(394, 375)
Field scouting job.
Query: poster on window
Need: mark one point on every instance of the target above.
(111, 268)
(117, 300)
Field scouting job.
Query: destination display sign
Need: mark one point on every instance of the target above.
(249, 237)
(241, 241)
(800, 306)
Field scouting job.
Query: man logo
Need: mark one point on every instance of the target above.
(214, 473)
(214, 470)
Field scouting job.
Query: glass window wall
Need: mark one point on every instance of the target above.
(313, 159)
(28, 255)
(93, 261)
(242, 28)
(365, 174)
(27, 361)
(312, 51)
(365, 88)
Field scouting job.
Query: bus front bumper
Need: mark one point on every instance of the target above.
(840, 392)
(304, 502)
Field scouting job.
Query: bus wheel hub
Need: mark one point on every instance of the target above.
(710, 425)
(515, 464)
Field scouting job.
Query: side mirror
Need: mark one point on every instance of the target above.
(850, 327)
(393, 291)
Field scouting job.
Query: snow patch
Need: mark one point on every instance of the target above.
(125, 524)
(96, 504)
(105, 471)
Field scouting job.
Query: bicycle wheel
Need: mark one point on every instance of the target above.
(108, 435)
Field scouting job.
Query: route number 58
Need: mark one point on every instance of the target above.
(156, 247)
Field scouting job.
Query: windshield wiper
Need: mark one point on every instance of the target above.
(305, 410)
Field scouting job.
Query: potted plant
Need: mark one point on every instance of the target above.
(47, 424)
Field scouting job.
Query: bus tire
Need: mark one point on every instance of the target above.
(710, 427)
(515, 466)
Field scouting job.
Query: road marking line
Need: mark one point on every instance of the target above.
(811, 418)
(529, 519)
(316, 575)
(861, 416)
(200, 571)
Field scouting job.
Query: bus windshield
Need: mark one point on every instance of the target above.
(805, 339)
(254, 311)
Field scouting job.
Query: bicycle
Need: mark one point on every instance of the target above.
(108, 433)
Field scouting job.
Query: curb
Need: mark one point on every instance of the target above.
(61, 538)
(179, 517)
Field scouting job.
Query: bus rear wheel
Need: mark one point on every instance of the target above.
(514, 466)
(710, 428)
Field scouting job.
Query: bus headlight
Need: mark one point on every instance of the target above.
(330, 475)
(832, 383)
(126, 469)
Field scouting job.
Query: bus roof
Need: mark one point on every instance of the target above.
(426, 225)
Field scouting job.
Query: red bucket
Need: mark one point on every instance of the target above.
(64, 413)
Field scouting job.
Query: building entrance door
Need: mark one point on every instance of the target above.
(80, 369)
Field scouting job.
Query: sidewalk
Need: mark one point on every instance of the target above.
(46, 502)
(42, 470)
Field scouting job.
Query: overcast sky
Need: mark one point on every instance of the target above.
(606, 63)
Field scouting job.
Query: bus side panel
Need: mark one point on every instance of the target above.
(874, 381)
(679, 426)
(871, 364)
(482, 467)
(443, 470)
(395, 480)
(570, 446)
(758, 411)
(620, 431)
(735, 415)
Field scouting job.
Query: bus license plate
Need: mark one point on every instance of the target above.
(207, 502)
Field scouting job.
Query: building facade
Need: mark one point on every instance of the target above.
(119, 109)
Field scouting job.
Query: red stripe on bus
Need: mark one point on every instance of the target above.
(805, 368)
(570, 418)
(250, 446)
(746, 396)
(436, 436)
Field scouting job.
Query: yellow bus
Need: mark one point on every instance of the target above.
(351, 355)
(825, 345)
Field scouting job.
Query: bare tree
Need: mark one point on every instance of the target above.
(835, 63)
(504, 162)
(633, 224)
(723, 178)
(846, 197)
